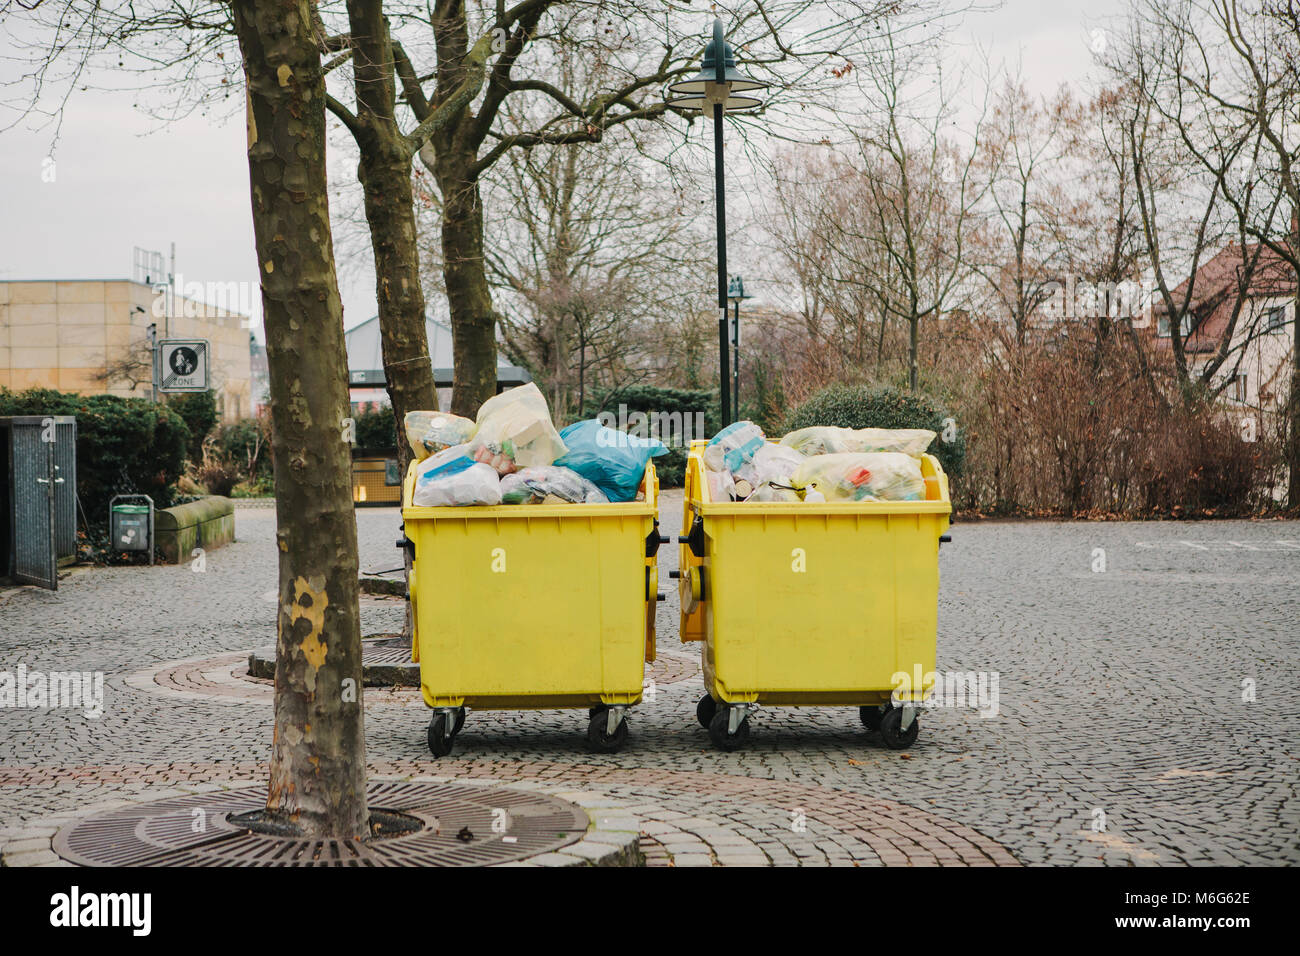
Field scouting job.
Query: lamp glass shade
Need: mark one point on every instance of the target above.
(704, 89)
(702, 104)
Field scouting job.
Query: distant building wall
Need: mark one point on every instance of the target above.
(64, 334)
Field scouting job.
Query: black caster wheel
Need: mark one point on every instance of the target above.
(891, 723)
(870, 716)
(705, 710)
(460, 721)
(439, 739)
(718, 731)
(599, 739)
(598, 709)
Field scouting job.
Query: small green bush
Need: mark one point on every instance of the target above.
(247, 444)
(124, 445)
(861, 406)
(199, 412)
(375, 431)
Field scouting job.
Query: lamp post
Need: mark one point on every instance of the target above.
(713, 92)
(735, 295)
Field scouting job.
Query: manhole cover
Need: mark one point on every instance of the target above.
(463, 826)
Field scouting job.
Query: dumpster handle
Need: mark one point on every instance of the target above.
(653, 540)
(695, 540)
(408, 544)
(945, 539)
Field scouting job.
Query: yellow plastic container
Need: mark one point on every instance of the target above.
(812, 604)
(533, 606)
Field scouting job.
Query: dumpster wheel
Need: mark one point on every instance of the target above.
(870, 716)
(720, 731)
(891, 729)
(598, 736)
(705, 710)
(443, 728)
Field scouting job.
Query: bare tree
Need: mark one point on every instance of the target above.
(894, 217)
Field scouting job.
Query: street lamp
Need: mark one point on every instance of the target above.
(718, 88)
(735, 295)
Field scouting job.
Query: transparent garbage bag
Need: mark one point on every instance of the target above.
(451, 478)
(722, 487)
(733, 446)
(549, 483)
(771, 464)
(870, 476)
(430, 432)
(830, 440)
(515, 431)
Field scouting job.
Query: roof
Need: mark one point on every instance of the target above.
(366, 354)
(1215, 291)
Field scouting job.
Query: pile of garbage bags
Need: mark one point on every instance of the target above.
(817, 464)
(512, 454)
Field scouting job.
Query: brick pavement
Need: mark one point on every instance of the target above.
(1121, 694)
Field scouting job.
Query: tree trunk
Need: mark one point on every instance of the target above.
(473, 323)
(318, 755)
(1293, 397)
(385, 176)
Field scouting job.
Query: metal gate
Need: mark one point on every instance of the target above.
(41, 505)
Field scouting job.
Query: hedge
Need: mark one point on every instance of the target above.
(124, 445)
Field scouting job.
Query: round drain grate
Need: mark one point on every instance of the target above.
(195, 830)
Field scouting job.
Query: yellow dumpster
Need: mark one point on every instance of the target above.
(802, 604)
(533, 606)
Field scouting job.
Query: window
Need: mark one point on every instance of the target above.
(1275, 319)
(1239, 387)
(1185, 327)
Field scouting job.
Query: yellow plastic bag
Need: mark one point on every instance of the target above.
(515, 431)
(829, 440)
(871, 476)
(430, 432)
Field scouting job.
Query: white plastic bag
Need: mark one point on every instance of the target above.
(733, 446)
(515, 431)
(771, 464)
(722, 487)
(451, 478)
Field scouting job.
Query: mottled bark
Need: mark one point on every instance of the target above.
(385, 176)
(473, 322)
(318, 755)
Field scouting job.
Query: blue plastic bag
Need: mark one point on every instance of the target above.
(612, 460)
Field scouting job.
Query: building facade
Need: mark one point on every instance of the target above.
(91, 336)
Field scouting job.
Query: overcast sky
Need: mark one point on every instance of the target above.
(121, 180)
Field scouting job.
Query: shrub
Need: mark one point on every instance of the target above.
(218, 473)
(199, 412)
(375, 431)
(247, 445)
(860, 406)
(124, 445)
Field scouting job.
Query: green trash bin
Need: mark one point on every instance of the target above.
(131, 525)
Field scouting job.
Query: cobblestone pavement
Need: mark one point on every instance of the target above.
(1120, 702)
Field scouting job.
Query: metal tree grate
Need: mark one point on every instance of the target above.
(384, 663)
(195, 830)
